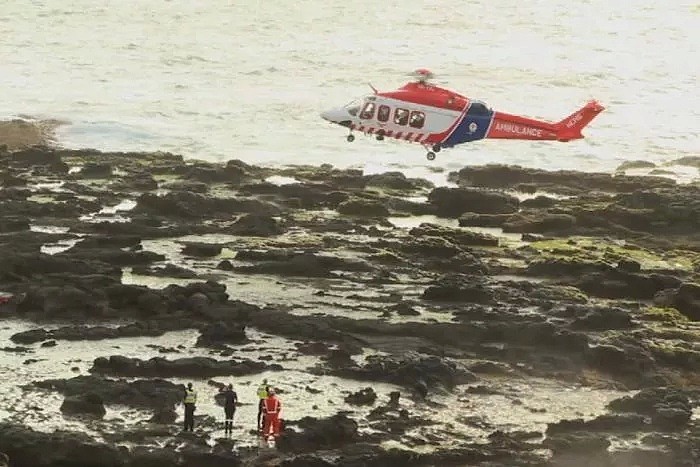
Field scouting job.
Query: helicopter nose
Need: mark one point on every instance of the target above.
(335, 115)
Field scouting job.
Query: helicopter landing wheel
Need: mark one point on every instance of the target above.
(350, 138)
(437, 148)
(431, 156)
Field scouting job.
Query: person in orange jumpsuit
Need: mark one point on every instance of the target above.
(271, 419)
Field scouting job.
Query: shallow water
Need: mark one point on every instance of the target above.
(248, 79)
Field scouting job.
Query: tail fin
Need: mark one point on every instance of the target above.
(571, 126)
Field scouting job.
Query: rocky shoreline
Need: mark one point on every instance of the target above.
(447, 295)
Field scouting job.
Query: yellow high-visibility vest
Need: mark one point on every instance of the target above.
(262, 391)
(190, 397)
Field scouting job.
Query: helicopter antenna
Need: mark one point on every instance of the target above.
(373, 88)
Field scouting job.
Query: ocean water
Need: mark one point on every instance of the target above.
(247, 79)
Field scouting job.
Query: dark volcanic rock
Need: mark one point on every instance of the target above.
(409, 370)
(201, 249)
(28, 448)
(153, 393)
(363, 208)
(318, 434)
(459, 288)
(84, 404)
(453, 202)
(561, 181)
(198, 367)
(221, 333)
(615, 283)
(255, 225)
(685, 299)
(669, 408)
(365, 396)
(305, 264)
(460, 237)
(96, 170)
(183, 204)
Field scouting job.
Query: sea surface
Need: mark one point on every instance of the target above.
(219, 80)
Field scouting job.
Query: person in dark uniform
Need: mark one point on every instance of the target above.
(190, 401)
(230, 401)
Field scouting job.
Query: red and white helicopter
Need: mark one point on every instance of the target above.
(437, 118)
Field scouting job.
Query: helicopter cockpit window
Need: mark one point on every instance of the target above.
(401, 116)
(353, 107)
(417, 119)
(478, 108)
(368, 111)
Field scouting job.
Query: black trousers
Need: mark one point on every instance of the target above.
(228, 423)
(189, 417)
(260, 413)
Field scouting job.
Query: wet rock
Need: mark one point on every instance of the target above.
(457, 236)
(540, 202)
(560, 181)
(408, 369)
(685, 299)
(26, 447)
(183, 204)
(636, 164)
(539, 222)
(313, 348)
(153, 393)
(306, 265)
(669, 408)
(567, 267)
(96, 170)
(84, 404)
(459, 288)
(365, 396)
(605, 423)
(619, 284)
(453, 202)
(599, 319)
(168, 270)
(255, 225)
(363, 208)
(201, 249)
(142, 181)
(63, 301)
(221, 333)
(164, 416)
(404, 309)
(396, 181)
(318, 434)
(225, 265)
(427, 247)
(39, 157)
(628, 265)
(186, 185)
(50, 343)
(197, 367)
(10, 224)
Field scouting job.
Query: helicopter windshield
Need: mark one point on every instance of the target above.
(353, 107)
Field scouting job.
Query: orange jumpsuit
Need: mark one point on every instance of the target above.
(271, 419)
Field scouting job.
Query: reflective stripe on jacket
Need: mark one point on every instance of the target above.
(272, 405)
(190, 397)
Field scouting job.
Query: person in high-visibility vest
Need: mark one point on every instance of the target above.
(190, 401)
(272, 408)
(262, 395)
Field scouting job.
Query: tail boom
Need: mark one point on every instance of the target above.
(509, 126)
